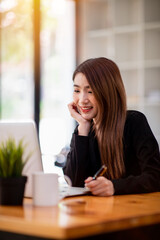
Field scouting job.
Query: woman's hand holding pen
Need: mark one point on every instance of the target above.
(84, 125)
(100, 187)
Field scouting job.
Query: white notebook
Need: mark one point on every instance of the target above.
(67, 191)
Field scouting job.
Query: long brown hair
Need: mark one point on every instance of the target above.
(105, 80)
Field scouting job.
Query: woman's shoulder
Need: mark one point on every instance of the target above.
(135, 116)
(137, 123)
(138, 130)
(136, 120)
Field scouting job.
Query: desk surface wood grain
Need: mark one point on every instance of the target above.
(82, 216)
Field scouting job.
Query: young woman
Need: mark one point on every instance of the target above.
(109, 134)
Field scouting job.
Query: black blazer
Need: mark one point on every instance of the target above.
(141, 158)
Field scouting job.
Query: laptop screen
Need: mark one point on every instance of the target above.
(25, 130)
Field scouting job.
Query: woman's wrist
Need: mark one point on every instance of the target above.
(83, 129)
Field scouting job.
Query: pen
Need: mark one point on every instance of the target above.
(100, 172)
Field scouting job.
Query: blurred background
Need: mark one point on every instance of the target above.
(41, 42)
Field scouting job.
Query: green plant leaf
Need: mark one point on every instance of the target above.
(12, 159)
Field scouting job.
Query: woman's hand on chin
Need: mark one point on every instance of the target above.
(84, 125)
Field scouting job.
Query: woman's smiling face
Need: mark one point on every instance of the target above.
(84, 98)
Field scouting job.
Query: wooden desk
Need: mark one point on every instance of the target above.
(82, 216)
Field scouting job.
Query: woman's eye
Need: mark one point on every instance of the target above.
(76, 91)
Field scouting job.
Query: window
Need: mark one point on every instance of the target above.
(57, 62)
(16, 59)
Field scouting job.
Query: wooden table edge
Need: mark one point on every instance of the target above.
(68, 233)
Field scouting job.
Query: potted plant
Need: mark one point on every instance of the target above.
(12, 162)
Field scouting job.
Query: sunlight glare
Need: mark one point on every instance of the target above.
(6, 5)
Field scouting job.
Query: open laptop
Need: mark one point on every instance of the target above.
(25, 130)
